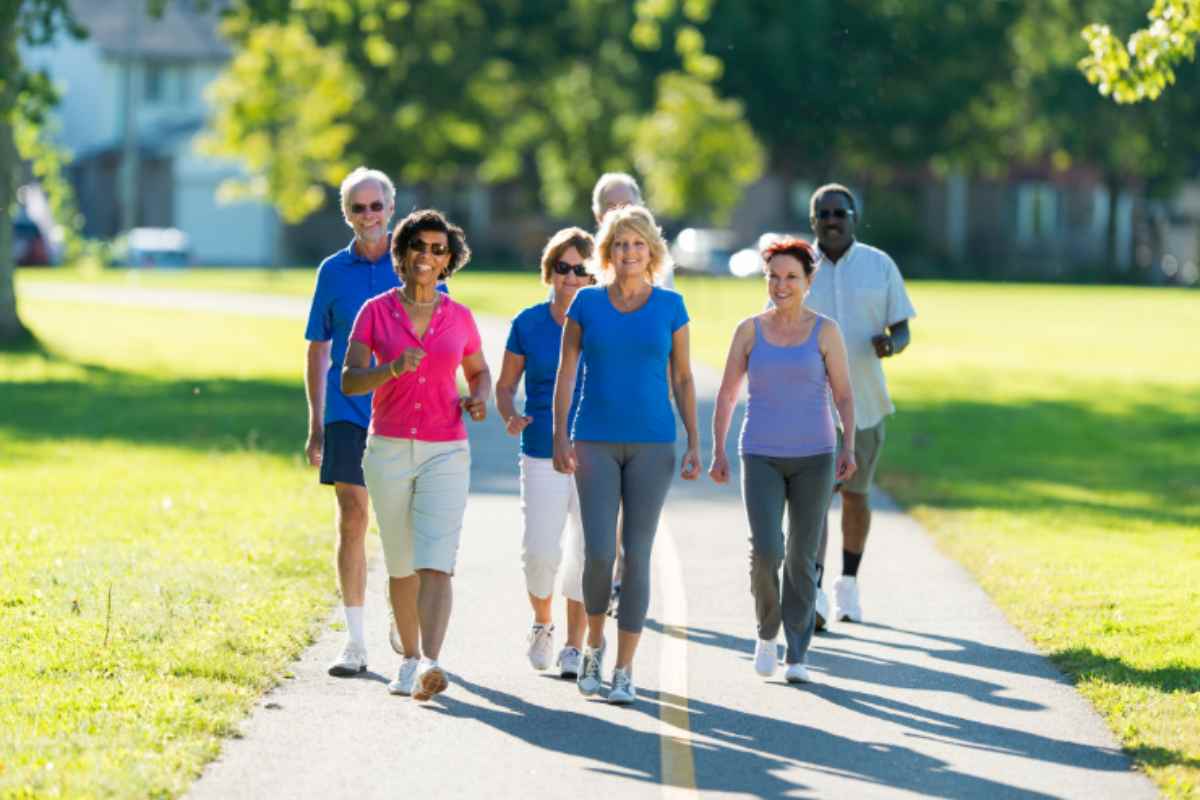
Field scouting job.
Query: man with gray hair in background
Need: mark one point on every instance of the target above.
(337, 424)
(616, 189)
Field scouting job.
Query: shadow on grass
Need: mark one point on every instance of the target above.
(205, 414)
(1083, 663)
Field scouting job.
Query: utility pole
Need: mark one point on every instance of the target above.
(130, 173)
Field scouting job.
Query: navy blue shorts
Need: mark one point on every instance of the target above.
(342, 456)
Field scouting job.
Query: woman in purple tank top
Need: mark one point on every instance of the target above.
(794, 359)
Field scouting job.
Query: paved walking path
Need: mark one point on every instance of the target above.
(934, 695)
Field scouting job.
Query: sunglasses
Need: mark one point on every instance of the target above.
(358, 208)
(839, 213)
(563, 268)
(437, 248)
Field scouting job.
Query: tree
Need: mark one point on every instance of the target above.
(26, 94)
(1141, 68)
(545, 94)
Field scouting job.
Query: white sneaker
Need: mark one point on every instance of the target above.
(822, 604)
(797, 673)
(405, 678)
(623, 691)
(845, 592)
(541, 645)
(766, 657)
(590, 670)
(351, 662)
(568, 662)
(431, 680)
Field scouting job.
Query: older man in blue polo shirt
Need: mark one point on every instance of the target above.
(337, 424)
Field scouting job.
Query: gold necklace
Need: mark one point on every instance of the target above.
(419, 303)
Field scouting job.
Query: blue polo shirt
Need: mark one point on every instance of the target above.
(537, 337)
(345, 280)
(625, 357)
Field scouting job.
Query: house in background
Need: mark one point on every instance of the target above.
(133, 99)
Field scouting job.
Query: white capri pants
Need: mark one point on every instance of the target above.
(419, 491)
(549, 501)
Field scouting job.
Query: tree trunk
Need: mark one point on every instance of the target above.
(11, 330)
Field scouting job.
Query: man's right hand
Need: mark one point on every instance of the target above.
(315, 447)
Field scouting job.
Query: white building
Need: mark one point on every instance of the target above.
(165, 64)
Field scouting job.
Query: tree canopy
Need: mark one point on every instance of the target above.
(1141, 67)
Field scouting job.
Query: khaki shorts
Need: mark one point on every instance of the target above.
(868, 444)
(419, 491)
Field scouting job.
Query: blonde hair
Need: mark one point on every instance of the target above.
(640, 221)
(562, 241)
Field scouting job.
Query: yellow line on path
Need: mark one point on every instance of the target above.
(678, 767)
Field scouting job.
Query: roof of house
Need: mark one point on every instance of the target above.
(182, 33)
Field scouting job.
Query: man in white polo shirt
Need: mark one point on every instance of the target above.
(860, 287)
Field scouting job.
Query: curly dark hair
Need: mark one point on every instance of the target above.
(430, 219)
(796, 248)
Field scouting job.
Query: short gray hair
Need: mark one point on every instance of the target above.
(362, 175)
(607, 181)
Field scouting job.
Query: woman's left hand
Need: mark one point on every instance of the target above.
(691, 464)
(846, 465)
(475, 407)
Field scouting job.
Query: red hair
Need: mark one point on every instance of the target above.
(798, 249)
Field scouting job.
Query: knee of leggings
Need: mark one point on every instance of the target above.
(765, 562)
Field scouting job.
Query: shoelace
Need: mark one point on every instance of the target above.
(621, 681)
(592, 670)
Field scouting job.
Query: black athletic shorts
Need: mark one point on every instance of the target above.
(341, 459)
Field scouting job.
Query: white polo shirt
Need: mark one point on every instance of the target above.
(864, 293)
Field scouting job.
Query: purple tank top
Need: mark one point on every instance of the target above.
(787, 414)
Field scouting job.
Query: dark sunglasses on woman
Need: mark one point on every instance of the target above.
(358, 208)
(437, 248)
(563, 268)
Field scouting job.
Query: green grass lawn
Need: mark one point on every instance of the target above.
(1048, 437)
(163, 552)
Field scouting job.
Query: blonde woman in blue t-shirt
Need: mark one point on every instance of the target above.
(621, 447)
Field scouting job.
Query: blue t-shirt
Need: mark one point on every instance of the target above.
(536, 336)
(345, 281)
(625, 357)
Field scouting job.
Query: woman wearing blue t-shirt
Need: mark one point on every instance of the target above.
(795, 360)
(621, 447)
(548, 498)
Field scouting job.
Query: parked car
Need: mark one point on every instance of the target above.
(154, 247)
(703, 250)
(30, 247)
(747, 263)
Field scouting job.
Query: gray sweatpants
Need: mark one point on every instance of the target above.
(611, 476)
(805, 486)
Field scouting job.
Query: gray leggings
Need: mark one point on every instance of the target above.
(611, 476)
(805, 486)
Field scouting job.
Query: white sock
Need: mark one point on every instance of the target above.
(354, 624)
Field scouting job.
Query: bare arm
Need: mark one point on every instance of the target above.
(479, 383)
(684, 388)
(506, 390)
(359, 377)
(833, 351)
(736, 364)
(564, 392)
(314, 387)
